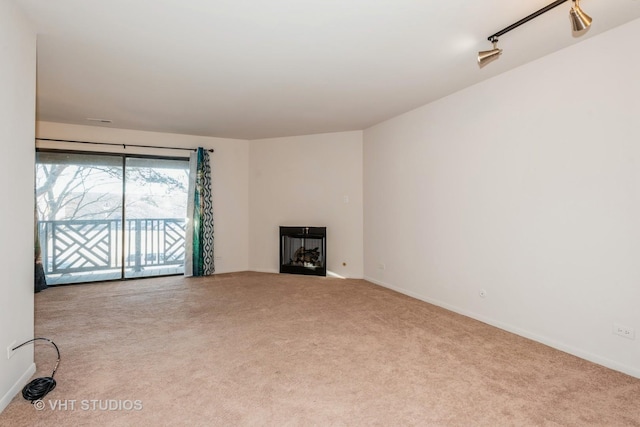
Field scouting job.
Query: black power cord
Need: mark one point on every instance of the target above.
(40, 387)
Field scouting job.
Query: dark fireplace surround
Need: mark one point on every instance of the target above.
(303, 250)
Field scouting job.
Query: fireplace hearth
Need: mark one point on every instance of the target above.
(303, 250)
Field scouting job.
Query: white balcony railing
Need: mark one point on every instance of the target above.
(97, 245)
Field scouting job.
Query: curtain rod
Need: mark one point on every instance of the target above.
(124, 146)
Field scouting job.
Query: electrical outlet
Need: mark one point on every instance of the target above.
(624, 331)
(381, 266)
(10, 350)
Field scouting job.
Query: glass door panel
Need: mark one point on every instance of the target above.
(155, 209)
(79, 207)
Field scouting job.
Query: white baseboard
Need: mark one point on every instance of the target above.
(591, 357)
(265, 270)
(17, 387)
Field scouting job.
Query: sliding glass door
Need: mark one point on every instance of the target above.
(107, 217)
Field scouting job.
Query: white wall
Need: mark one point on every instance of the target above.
(304, 180)
(528, 186)
(229, 170)
(17, 113)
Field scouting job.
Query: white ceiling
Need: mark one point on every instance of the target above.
(254, 69)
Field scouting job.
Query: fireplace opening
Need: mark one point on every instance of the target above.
(303, 250)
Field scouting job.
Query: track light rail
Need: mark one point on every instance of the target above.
(526, 19)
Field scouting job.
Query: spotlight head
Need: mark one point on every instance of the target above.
(486, 56)
(580, 21)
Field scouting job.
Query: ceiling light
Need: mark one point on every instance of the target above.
(486, 56)
(580, 21)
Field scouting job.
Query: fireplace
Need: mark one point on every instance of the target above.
(303, 250)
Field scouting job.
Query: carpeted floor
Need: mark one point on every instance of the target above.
(284, 350)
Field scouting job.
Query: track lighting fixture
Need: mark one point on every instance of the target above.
(486, 56)
(580, 21)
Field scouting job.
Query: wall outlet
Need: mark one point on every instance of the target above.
(624, 331)
(381, 266)
(10, 350)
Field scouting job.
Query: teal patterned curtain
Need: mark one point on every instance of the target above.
(199, 239)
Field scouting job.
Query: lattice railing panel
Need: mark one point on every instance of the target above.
(174, 232)
(81, 246)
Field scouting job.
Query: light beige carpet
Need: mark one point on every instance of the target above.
(285, 350)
